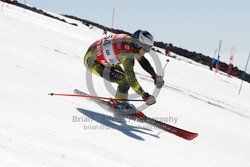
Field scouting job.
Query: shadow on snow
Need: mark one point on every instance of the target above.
(118, 123)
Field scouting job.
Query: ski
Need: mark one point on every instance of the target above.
(143, 118)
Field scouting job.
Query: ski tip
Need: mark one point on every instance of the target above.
(191, 137)
(51, 94)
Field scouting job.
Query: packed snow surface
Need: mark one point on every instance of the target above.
(40, 55)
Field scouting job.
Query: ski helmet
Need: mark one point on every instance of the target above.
(145, 38)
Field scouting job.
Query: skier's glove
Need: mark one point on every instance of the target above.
(149, 99)
(158, 80)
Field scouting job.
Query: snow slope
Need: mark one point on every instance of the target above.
(39, 55)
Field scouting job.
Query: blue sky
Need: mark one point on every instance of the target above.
(193, 25)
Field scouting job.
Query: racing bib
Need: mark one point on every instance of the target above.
(105, 52)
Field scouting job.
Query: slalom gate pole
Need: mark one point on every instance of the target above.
(243, 76)
(88, 96)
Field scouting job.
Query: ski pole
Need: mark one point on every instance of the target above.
(88, 96)
(165, 67)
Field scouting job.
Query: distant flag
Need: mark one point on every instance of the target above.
(218, 59)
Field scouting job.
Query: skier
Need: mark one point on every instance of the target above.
(105, 57)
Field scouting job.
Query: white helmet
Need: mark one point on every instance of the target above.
(145, 38)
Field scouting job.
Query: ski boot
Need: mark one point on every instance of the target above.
(123, 106)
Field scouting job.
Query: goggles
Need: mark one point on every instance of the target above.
(147, 48)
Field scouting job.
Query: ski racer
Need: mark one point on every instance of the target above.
(113, 58)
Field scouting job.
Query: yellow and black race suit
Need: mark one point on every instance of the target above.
(123, 73)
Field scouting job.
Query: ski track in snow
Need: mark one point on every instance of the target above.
(200, 97)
